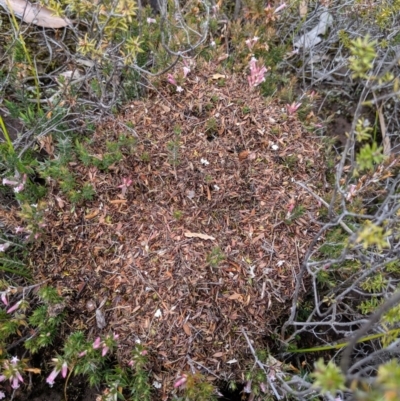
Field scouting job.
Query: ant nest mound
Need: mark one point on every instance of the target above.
(210, 233)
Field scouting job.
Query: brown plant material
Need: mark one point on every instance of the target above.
(149, 254)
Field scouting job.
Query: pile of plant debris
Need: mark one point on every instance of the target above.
(196, 234)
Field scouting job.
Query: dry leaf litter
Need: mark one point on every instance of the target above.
(203, 242)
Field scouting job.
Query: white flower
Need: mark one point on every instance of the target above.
(156, 384)
(216, 187)
(212, 44)
(275, 147)
(3, 247)
(2, 395)
(179, 89)
(204, 162)
(280, 263)
(158, 313)
(14, 360)
(151, 20)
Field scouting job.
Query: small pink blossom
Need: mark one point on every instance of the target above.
(256, 73)
(14, 307)
(280, 8)
(19, 229)
(18, 185)
(247, 387)
(2, 395)
(81, 354)
(352, 193)
(126, 182)
(64, 370)
(2, 378)
(14, 382)
(97, 343)
(171, 80)
(52, 377)
(151, 20)
(251, 42)
(19, 188)
(186, 71)
(104, 350)
(312, 95)
(182, 380)
(3, 296)
(12, 183)
(292, 108)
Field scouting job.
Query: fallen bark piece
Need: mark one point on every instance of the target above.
(199, 235)
(34, 14)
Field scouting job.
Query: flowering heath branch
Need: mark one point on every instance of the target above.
(256, 73)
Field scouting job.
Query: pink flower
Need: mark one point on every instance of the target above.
(12, 183)
(126, 182)
(52, 377)
(151, 20)
(18, 185)
(14, 307)
(64, 370)
(247, 387)
(19, 229)
(256, 73)
(251, 42)
(14, 382)
(186, 71)
(104, 350)
(280, 8)
(2, 395)
(97, 343)
(2, 378)
(81, 354)
(171, 80)
(19, 188)
(352, 192)
(182, 380)
(3, 297)
(292, 108)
